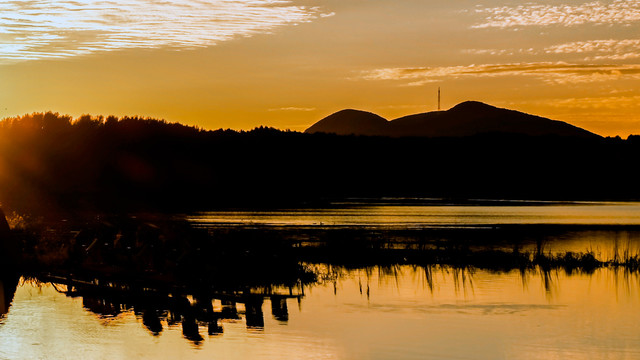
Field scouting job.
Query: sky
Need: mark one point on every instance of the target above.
(286, 64)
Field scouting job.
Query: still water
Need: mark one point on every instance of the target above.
(426, 215)
(373, 312)
(364, 314)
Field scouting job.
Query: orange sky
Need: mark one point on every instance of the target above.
(240, 64)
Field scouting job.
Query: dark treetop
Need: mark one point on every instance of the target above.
(49, 160)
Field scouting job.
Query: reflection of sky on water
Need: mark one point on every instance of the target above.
(497, 315)
(417, 216)
(605, 244)
(53, 29)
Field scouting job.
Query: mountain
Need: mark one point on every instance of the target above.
(465, 119)
(349, 121)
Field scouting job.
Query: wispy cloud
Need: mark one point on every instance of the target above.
(605, 102)
(293, 108)
(600, 49)
(501, 52)
(596, 12)
(611, 49)
(38, 29)
(551, 72)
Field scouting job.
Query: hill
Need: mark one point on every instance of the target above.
(465, 119)
(349, 121)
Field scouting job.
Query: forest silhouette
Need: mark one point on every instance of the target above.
(51, 161)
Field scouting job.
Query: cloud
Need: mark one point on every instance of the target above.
(38, 29)
(500, 52)
(604, 102)
(550, 72)
(293, 108)
(400, 106)
(600, 49)
(596, 12)
(620, 49)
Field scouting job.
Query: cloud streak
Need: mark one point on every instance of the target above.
(596, 103)
(600, 49)
(550, 72)
(596, 12)
(293, 108)
(39, 29)
(611, 49)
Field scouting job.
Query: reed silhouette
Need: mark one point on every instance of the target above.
(171, 251)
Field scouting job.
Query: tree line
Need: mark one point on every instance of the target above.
(50, 160)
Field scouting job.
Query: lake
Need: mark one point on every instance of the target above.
(373, 314)
(373, 311)
(427, 215)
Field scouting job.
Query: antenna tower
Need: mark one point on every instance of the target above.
(438, 98)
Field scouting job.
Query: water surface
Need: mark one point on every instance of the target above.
(375, 313)
(426, 215)
(356, 311)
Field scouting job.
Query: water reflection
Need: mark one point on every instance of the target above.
(8, 284)
(190, 308)
(348, 308)
(137, 289)
(429, 215)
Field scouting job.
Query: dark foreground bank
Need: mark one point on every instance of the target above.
(168, 251)
(49, 161)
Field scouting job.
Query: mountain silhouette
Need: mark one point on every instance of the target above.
(349, 121)
(465, 119)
